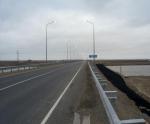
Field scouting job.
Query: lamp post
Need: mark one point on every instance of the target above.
(17, 56)
(46, 36)
(93, 38)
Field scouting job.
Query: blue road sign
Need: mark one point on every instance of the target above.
(93, 56)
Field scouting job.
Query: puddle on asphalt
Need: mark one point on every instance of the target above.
(81, 119)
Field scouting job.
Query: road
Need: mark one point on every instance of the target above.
(45, 96)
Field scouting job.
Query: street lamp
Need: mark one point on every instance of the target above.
(46, 36)
(93, 38)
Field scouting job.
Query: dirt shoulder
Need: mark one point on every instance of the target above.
(90, 104)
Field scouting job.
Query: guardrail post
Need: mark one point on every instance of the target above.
(113, 102)
(102, 81)
(104, 86)
(111, 93)
(99, 76)
(112, 96)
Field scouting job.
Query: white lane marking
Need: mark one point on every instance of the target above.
(76, 118)
(4, 88)
(58, 100)
(86, 119)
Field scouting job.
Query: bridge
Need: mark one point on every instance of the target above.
(54, 93)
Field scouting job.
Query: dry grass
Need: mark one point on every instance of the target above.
(123, 62)
(141, 84)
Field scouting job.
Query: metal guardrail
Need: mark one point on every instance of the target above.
(15, 68)
(29, 66)
(106, 100)
(22, 67)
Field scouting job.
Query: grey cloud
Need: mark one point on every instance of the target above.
(136, 13)
(140, 13)
(22, 27)
(96, 5)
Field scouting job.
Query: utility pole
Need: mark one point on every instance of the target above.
(70, 51)
(46, 36)
(67, 51)
(17, 56)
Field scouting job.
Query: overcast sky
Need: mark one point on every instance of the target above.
(122, 28)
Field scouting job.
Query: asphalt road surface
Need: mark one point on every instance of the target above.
(44, 96)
